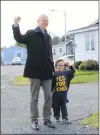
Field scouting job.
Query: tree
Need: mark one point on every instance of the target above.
(2, 48)
(55, 40)
(68, 37)
(21, 45)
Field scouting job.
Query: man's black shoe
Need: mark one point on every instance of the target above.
(35, 126)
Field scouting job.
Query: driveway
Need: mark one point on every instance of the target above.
(15, 109)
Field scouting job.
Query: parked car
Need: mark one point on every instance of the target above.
(16, 61)
(67, 58)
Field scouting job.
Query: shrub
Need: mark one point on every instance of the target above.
(82, 66)
(97, 66)
(77, 63)
(91, 65)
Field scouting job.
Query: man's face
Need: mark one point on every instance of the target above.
(43, 22)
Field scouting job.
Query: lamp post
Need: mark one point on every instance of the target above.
(64, 12)
(65, 25)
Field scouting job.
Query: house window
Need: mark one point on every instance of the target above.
(60, 49)
(72, 51)
(54, 52)
(92, 42)
(87, 42)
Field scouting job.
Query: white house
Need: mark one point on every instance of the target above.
(86, 40)
(85, 45)
(58, 50)
(61, 49)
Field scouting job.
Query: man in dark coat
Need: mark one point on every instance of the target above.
(39, 66)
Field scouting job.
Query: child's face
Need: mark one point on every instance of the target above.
(60, 66)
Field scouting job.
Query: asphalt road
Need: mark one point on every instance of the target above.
(15, 108)
(8, 70)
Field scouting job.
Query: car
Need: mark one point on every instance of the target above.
(67, 58)
(16, 61)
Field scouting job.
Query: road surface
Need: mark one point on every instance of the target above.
(15, 106)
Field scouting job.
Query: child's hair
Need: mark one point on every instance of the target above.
(59, 61)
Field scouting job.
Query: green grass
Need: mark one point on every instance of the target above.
(20, 80)
(80, 77)
(78, 72)
(92, 121)
(85, 77)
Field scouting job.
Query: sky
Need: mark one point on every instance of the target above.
(78, 14)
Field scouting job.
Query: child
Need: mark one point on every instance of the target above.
(60, 85)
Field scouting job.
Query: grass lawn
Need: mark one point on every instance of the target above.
(85, 77)
(80, 77)
(92, 121)
(20, 80)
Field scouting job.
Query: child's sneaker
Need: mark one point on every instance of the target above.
(65, 120)
(57, 119)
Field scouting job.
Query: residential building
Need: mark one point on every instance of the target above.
(58, 50)
(86, 40)
(84, 44)
(14, 51)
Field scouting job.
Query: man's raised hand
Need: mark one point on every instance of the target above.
(17, 19)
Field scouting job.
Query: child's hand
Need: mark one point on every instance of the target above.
(67, 64)
(70, 63)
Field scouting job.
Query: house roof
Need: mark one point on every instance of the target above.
(59, 44)
(17, 47)
(94, 24)
(14, 47)
(63, 43)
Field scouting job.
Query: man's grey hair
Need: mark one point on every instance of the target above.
(42, 15)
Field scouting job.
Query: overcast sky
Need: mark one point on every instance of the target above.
(78, 14)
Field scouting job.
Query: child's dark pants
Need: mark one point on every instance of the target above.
(59, 103)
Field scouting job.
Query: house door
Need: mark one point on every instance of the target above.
(19, 55)
(70, 50)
